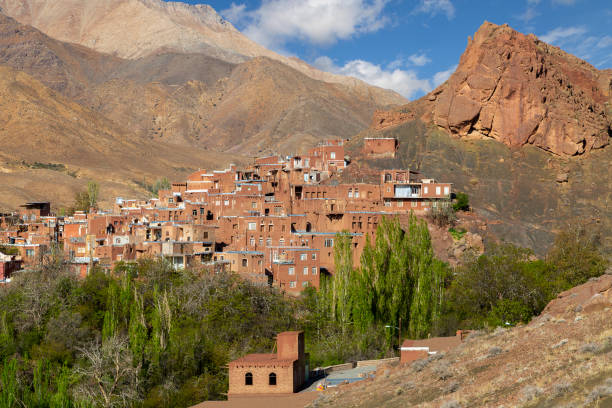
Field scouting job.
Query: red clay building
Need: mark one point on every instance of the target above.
(282, 373)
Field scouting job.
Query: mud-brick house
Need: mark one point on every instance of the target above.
(284, 372)
(35, 210)
(8, 265)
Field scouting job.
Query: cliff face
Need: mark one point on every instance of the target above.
(518, 90)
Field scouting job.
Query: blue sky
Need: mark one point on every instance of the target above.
(412, 45)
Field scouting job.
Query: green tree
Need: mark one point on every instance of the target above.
(341, 284)
(576, 257)
(462, 202)
(92, 193)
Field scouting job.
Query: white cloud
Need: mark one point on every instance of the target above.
(320, 22)
(579, 42)
(565, 2)
(235, 13)
(562, 33)
(604, 42)
(419, 59)
(433, 7)
(404, 82)
(442, 76)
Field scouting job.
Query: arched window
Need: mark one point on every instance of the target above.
(248, 379)
(272, 379)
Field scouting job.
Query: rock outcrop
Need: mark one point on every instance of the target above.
(519, 90)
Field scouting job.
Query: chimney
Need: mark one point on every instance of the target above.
(290, 345)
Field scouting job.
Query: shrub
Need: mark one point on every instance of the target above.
(462, 202)
(451, 404)
(494, 351)
(530, 392)
(561, 389)
(457, 234)
(442, 215)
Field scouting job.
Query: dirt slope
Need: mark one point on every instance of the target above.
(561, 358)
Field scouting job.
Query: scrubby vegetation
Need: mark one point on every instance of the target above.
(86, 199)
(159, 184)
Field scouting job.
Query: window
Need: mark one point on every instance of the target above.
(226, 203)
(425, 190)
(356, 193)
(291, 270)
(268, 241)
(332, 155)
(446, 191)
(400, 203)
(414, 203)
(260, 240)
(252, 226)
(350, 193)
(314, 256)
(252, 241)
(387, 203)
(438, 191)
(303, 257)
(292, 284)
(195, 212)
(244, 262)
(170, 200)
(29, 252)
(305, 270)
(248, 379)
(254, 204)
(329, 242)
(314, 270)
(305, 283)
(281, 242)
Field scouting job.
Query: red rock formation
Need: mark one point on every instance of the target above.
(519, 90)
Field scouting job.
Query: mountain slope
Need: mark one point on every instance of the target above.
(39, 125)
(191, 103)
(518, 90)
(133, 29)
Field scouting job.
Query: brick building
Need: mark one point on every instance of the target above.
(283, 372)
(273, 222)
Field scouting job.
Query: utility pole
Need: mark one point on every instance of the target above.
(399, 337)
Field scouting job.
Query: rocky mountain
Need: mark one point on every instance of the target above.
(134, 29)
(519, 90)
(522, 127)
(561, 358)
(183, 102)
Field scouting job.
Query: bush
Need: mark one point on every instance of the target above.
(462, 202)
(442, 215)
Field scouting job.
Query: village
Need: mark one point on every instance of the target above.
(274, 222)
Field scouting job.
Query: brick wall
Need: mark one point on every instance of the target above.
(284, 380)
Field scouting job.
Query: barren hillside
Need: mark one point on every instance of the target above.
(561, 358)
